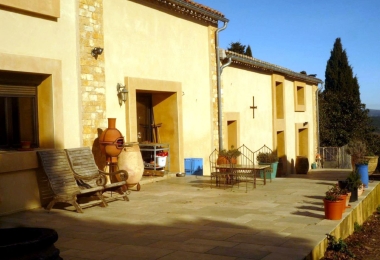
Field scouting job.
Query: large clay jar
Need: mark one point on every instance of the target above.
(130, 159)
(111, 140)
(302, 165)
(372, 163)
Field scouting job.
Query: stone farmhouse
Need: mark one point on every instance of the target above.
(63, 63)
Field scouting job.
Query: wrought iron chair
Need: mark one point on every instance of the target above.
(219, 176)
(247, 176)
(262, 156)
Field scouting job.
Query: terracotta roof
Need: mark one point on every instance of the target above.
(204, 7)
(248, 61)
(193, 9)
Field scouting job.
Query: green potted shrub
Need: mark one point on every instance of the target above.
(269, 158)
(354, 184)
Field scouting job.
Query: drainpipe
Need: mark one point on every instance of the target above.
(318, 137)
(219, 72)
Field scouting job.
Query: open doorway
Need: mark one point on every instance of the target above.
(303, 142)
(281, 153)
(156, 102)
(144, 117)
(232, 134)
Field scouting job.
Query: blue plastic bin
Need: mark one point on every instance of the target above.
(194, 166)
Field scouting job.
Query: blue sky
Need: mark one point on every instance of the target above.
(300, 34)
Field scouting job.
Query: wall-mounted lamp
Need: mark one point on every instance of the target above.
(121, 93)
(96, 51)
(305, 124)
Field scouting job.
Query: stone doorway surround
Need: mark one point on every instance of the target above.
(167, 109)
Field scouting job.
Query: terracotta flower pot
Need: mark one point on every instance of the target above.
(333, 209)
(343, 201)
(224, 160)
(372, 163)
(25, 144)
(348, 199)
(360, 190)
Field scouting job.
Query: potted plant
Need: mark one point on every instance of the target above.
(345, 196)
(267, 157)
(343, 185)
(271, 159)
(161, 158)
(372, 162)
(228, 156)
(357, 149)
(333, 203)
(354, 184)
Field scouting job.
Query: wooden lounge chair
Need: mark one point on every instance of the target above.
(83, 164)
(62, 182)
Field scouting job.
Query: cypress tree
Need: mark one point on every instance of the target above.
(237, 47)
(248, 51)
(342, 115)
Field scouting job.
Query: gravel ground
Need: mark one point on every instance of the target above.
(363, 244)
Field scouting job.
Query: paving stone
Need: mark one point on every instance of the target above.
(183, 218)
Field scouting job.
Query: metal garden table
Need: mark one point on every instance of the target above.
(235, 173)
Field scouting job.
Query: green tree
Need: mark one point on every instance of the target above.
(342, 115)
(248, 51)
(237, 47)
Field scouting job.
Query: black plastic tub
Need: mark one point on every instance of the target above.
(28, 243)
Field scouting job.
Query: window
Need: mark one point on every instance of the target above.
(279, 100)
(299, 96)
(18, 116)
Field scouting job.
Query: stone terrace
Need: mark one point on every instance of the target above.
(183, 218)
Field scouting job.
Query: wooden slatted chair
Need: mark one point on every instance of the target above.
(62, 182)
(83, 164)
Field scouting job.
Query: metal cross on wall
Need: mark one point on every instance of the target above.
(253, 107)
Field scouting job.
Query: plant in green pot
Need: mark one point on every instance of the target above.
(269, 158)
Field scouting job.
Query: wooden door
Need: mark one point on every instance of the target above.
(144, 116)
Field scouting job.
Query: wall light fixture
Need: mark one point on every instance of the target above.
(121, 93)
(96, 51)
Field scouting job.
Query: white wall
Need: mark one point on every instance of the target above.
(143, 42)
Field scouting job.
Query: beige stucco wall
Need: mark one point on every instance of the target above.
(46, 8)
(49, 46)
(293, 118)
(141, 42)
(142, 45)
(34, 39)
(239, 85)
